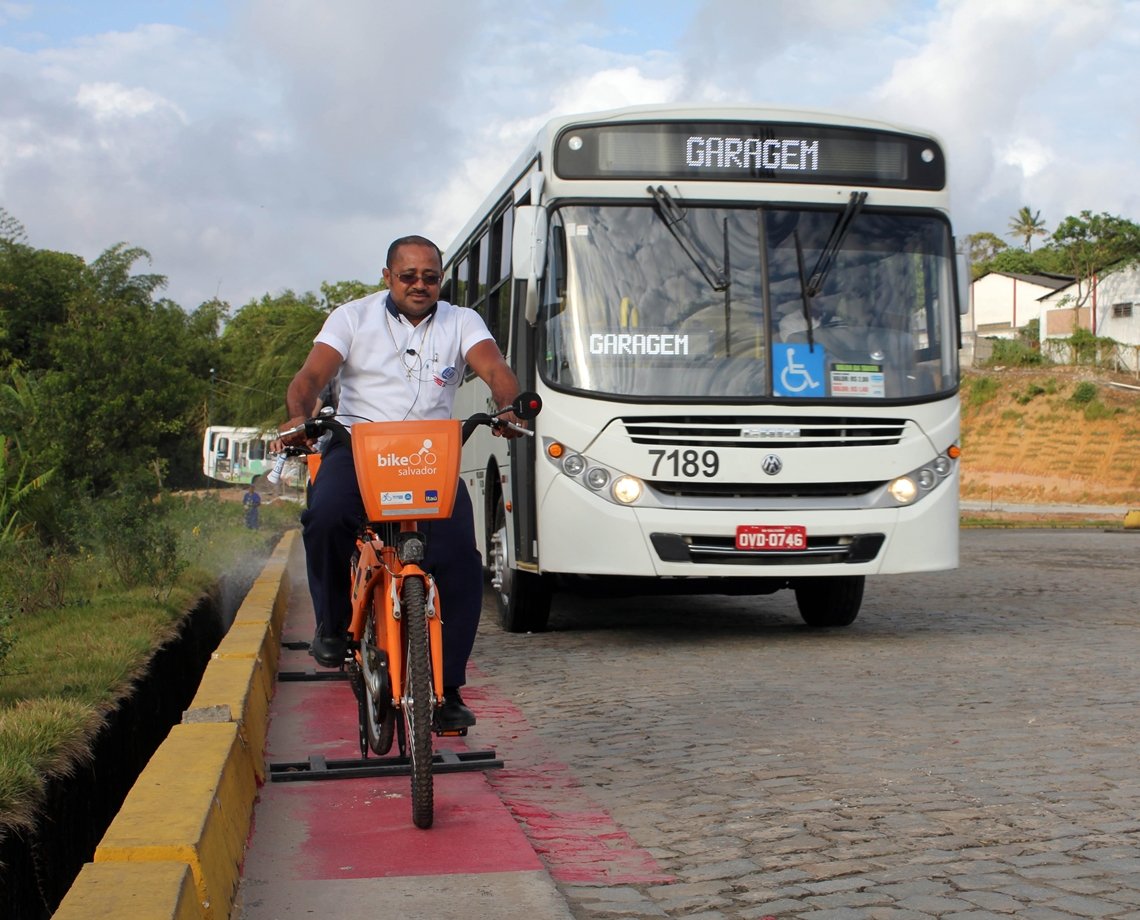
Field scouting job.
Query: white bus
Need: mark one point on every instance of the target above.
(236, 455)
(744, 326)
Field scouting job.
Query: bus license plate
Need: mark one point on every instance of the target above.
(776, 537)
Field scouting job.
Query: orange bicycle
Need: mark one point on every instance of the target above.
(408, 472)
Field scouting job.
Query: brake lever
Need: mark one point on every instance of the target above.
(503, 423)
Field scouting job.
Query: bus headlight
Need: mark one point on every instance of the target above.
(903, 490)
(597, 478)
(573, 464)
(627, 489)
(909, 488)
(605, 482)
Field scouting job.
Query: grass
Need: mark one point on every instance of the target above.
(68, 666)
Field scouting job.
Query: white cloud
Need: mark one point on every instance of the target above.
(1027, 154)
(112, 101)
(14, 12)
(995, 80)
(291, 143)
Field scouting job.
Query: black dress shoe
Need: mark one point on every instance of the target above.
(453, 715)
(329, 651)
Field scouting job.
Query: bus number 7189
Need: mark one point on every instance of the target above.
(687, 463)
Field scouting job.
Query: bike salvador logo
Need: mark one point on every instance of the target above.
(418, 463)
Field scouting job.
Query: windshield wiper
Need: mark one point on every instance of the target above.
(673, 217)
(810, 286)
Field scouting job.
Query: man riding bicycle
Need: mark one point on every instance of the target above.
(400, 353)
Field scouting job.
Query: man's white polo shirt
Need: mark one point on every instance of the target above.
(393, 370)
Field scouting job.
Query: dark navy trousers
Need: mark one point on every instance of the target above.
(330, 524)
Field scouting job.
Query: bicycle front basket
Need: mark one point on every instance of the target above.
(407, 470)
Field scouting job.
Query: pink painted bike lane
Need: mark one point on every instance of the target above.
(501, 841)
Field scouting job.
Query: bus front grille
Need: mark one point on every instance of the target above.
(721, 550)
(762, 431)
(765, 490)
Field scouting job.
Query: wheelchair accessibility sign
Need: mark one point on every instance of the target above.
(797, 370)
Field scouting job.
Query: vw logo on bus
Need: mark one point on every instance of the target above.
(771, 464)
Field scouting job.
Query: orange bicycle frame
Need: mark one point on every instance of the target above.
(408, 472)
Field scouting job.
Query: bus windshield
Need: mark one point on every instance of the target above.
(669, 300)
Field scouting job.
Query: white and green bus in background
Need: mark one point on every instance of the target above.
(239, 455)
(744, 327)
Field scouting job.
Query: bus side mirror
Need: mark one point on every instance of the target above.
(962, 264)
(528, 252)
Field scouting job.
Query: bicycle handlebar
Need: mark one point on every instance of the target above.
(525, 406)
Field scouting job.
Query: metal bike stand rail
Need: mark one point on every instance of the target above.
(309, 673)
(318, 768)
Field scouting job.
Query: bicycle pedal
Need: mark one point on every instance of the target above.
(451, 732)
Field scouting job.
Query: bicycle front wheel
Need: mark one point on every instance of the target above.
(417, 702)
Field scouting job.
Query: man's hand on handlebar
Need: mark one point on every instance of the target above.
(508, 426)
(292, 433)
(511, 422)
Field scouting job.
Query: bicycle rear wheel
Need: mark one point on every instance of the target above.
(417, 702)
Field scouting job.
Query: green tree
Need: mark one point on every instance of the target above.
(336, 293)
(1090, 243)
(260, 350)
(122, 393)
(980, 249)
(1026, 225)
(35, 287)
(263, 346)
(1020, 262)
(23, 476)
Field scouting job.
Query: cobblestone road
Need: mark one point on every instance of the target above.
(967, 749)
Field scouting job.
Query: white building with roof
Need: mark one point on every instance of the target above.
(1001, 305)
(1108, 307)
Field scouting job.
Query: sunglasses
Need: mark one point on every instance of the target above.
(431, 279)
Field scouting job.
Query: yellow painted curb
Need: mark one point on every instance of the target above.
(258, 643)
(139, 891)
(1132, 520)
(193, 803)
(236, 690)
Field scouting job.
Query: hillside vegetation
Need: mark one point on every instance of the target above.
(1051, 435)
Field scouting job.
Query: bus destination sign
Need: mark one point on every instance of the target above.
(736, 151)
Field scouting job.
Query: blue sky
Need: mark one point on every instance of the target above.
(253, 146)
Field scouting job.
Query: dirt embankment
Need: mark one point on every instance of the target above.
(1051, 435)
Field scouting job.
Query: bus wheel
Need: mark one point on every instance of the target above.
(523, 598)
(829, 601)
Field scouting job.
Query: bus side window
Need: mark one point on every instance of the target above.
(481, 255)
(460, 287)
(499, 260)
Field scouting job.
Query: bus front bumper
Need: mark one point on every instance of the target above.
(580, 533)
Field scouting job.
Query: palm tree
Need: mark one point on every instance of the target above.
(1027, 225)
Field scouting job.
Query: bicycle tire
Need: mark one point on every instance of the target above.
(417, 702)
(379, 713)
